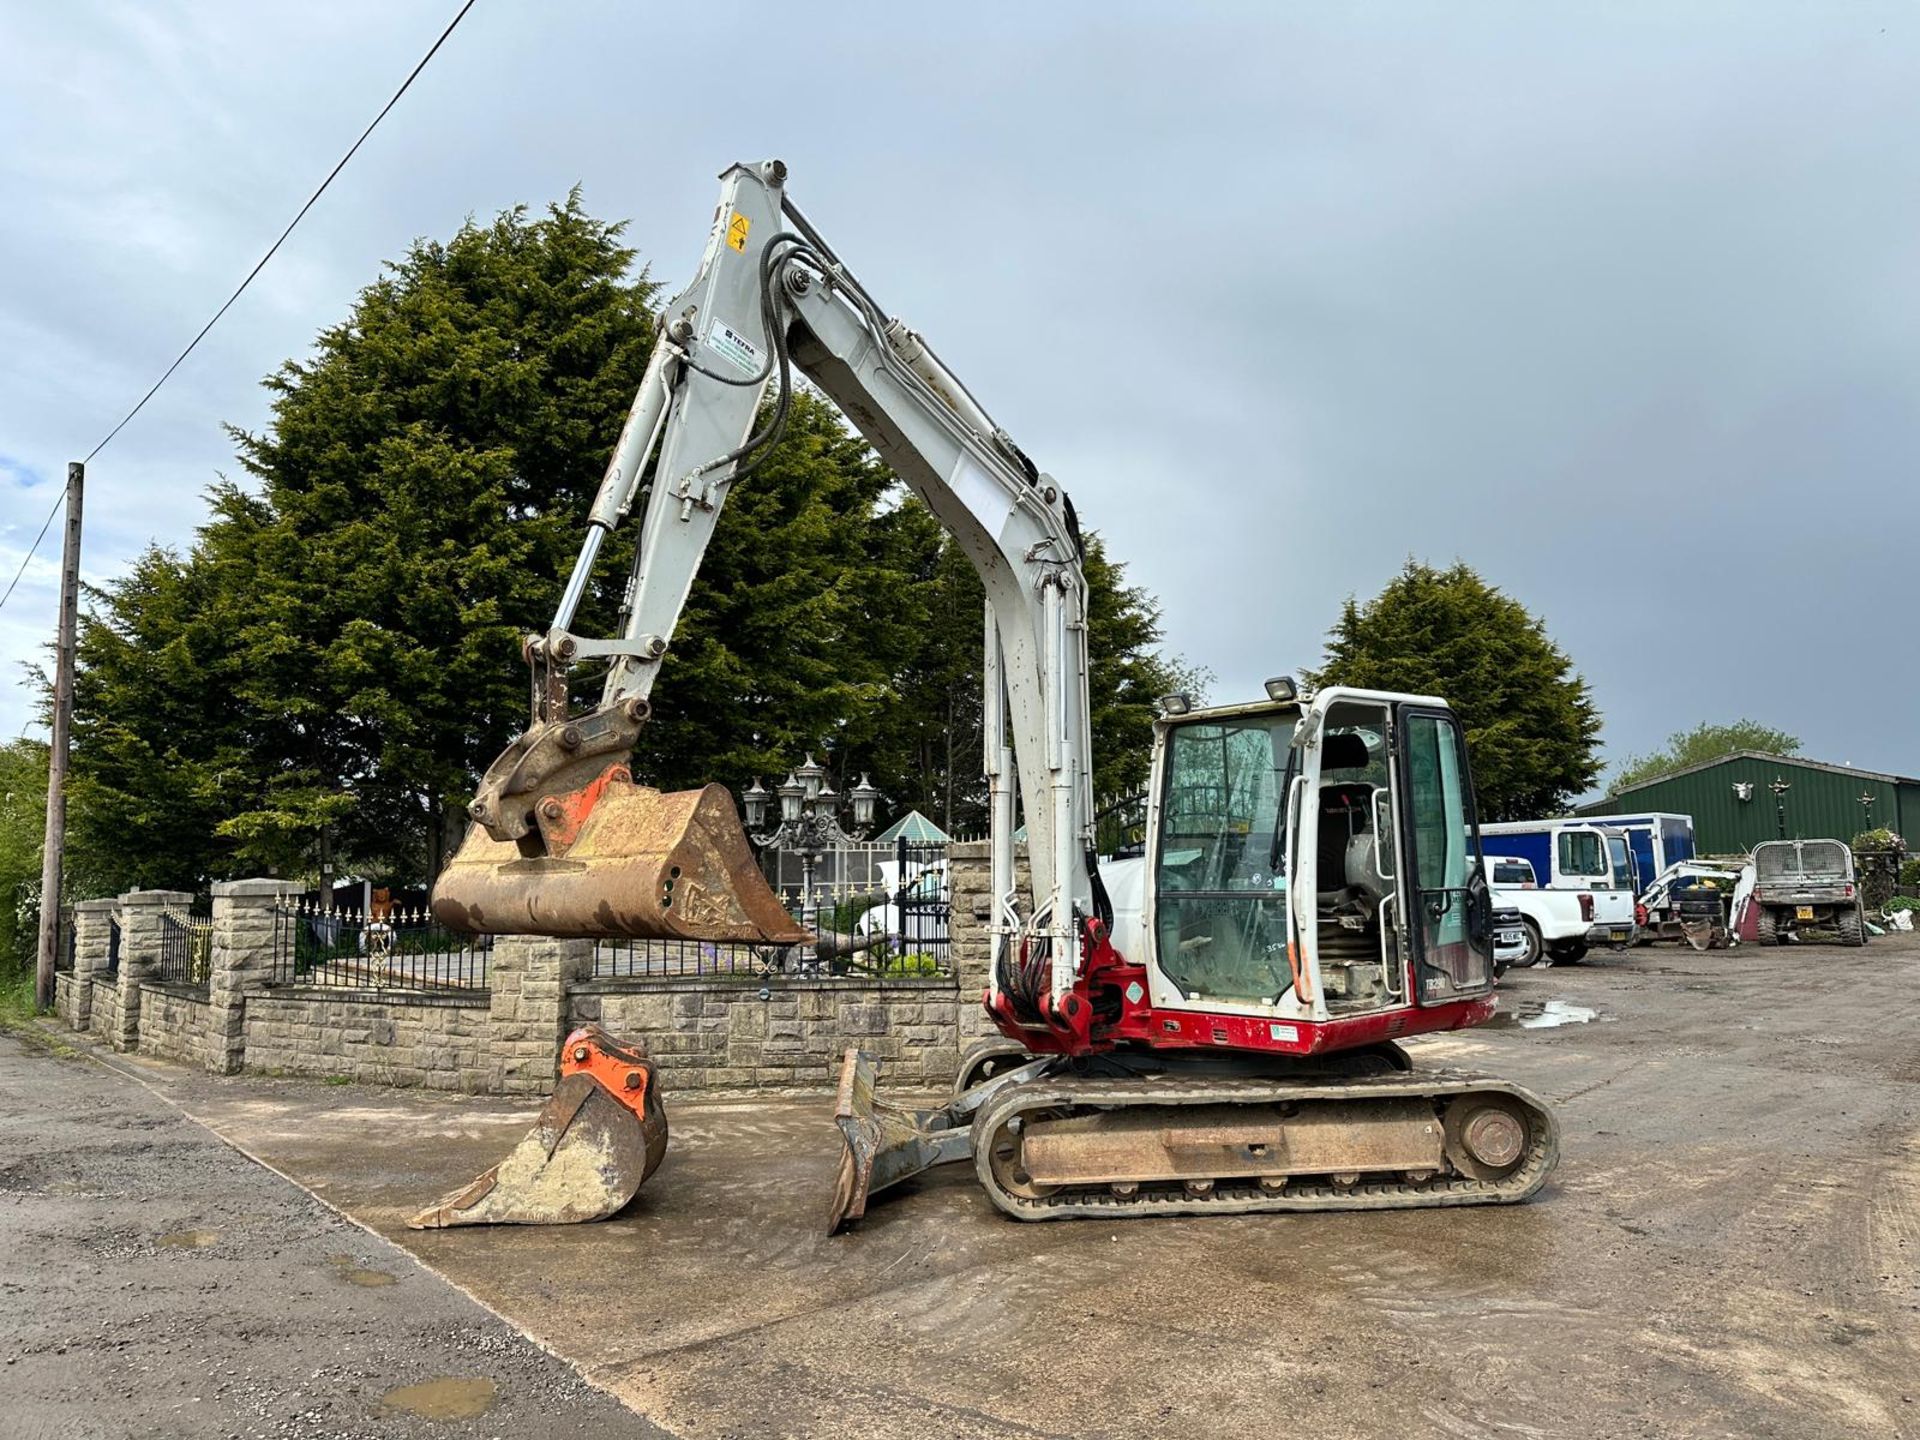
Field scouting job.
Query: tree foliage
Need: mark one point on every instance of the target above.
(941, 691)
(1705, 741)
(1530, 722)
(325, 672)
(336, 655)
(23, 818)
(1876, 859)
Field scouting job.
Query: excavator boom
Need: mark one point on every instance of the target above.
(563, 842)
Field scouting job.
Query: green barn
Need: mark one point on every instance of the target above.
(1734, 803)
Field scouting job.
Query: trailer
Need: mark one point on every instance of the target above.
(1659, 840)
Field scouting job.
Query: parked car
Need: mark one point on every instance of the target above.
(1806, 883)
(918, 922)
(1509, 938)
(1562, 922)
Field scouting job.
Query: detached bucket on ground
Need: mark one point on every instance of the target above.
(603, 1132)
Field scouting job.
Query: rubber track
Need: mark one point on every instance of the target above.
(1248, 1198)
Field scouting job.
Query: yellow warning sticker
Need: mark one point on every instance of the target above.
(737, 231)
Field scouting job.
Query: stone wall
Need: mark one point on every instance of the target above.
(440, 1043)
(970, 875)
(529, 978)
(93, 922)
(240, 963)
(66, 999)
(173, 1022)
(104, 1018)
(720, 1035)
(709, 1034)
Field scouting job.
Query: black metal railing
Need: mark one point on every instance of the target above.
(186, 948)
(390, 949)
(1120, 823)
(113, 945)
(901, 930)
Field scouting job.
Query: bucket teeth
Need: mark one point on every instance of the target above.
(599, 1136)
(641, 864)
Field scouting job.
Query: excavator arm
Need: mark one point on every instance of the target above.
(563, 841)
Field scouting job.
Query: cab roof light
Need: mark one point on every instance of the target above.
(1281, 688)
(1178, 703)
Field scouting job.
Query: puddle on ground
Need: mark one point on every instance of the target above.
(1543, 1015)
(188, 1239)
(354, 1273)
(451, 1397)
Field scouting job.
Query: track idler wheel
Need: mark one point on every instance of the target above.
(599, 1136)
(1486, 1135)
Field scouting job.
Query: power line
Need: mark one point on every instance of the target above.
(27, 559)
(411, 76)
(166, 375)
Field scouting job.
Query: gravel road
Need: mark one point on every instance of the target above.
(154, 1282)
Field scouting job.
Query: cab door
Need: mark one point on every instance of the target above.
(1449, 908)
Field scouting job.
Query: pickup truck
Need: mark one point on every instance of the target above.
(1562, 921)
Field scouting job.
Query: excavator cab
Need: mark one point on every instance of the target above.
(1276, 881)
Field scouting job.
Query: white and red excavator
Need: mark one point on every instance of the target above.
(1208, 1029)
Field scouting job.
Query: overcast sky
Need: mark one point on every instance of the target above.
(1621, 306)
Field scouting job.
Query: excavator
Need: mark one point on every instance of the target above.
(1209, 1028)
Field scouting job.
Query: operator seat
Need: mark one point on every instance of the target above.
(1346, 809)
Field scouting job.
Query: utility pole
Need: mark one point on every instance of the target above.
(53, 852)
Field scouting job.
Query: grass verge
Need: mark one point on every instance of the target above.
(16, 1002)
(18, 1017)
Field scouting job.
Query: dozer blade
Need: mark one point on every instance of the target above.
(622, 860)
(602, 1133)
(886, 1144)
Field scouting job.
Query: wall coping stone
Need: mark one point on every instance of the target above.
(97, 907)
(234, 889)
(464, 1000)
(677, 984)
(157, 898)
(179, 988)
(982, 850)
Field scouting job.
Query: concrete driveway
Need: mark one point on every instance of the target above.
(154, 1283)
(1731, 1247)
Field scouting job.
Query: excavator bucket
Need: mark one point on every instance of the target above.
(886, 1144)
(601, 1134)
(620, 860)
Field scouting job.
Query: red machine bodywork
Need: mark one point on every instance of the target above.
(1098, 1014)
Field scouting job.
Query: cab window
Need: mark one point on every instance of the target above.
(1220, 913)
(1622, 862)
(1583, 853)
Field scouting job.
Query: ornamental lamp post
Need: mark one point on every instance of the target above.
(754, 800)
(812, 775)
(1779, 788)
(809, 823)
(1867, 798)
(865, 798)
